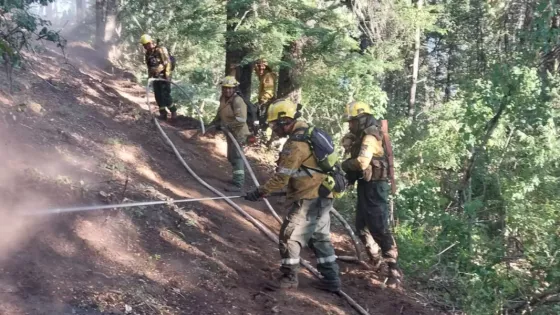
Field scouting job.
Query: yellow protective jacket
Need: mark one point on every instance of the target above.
(158, 62)
(368, 152)
(266, 87)
(232, 114)
(301, 183)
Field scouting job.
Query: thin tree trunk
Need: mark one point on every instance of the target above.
(235, 51)
(449, 71)
(110, 22)
(49, 11)
(80, 10)
(99, 23)
(289, 85)
(415, 66)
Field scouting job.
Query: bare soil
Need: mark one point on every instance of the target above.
(78, 132)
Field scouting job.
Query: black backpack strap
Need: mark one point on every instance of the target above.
(300, 137)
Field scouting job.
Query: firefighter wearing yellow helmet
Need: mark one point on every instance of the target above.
(308, 219)
(368, 165)
(232, 116)
(267, 91)
(267, 81)
(159, 66)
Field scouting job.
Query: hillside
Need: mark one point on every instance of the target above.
(75, 133)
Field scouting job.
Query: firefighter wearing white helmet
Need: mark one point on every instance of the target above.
(159, 66)
(368, 165)
(308, 219)
(232, 115)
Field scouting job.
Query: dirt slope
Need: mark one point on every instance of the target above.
(78, 133)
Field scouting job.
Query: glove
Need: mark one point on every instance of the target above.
(353, 176)
(254, 195)
(251, 139)
(345, 166)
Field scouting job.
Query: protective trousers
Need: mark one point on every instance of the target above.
(162, 91)
(372, 218)
(234, 158)
(308, 221)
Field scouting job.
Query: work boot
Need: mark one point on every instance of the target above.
(328, 285)
(284, 282)
(173, 115)
(395, 276)
(234, 188)
(374, 258)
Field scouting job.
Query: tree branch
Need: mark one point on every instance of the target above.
(490, 127)
(543, 298)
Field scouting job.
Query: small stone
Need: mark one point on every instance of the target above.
(35, 107)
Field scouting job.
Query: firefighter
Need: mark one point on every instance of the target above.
(267, 89)
(368, 164)
(267, 81)
(159, 66)
(232, 116)
(308, 218)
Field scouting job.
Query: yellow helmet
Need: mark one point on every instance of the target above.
(355, 109)
(229, 82)
(281, 109)
(144, 39)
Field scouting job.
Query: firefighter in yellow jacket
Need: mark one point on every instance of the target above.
(267, 82)
(368, 165)
(232, 115)
(267, 91)
(159, 66)
(308, 219)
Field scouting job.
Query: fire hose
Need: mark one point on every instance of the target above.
(333, 211)
(246, 215)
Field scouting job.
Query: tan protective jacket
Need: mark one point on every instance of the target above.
(266, 87)
(232, 113)
(368, 152)
(158, 62)
(301, 183)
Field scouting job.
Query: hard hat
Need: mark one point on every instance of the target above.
(229, 82)
(355, 109)
(261, 61)
(144, 39)
(280, 109)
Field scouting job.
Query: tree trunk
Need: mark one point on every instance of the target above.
(415, 66)
(236, 51)
(289, 85)
(449, 70)
(49, 11)
(99, 23)
(110, 21)
(80, 10)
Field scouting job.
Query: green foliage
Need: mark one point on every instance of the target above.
(18, 27)
(478, 164)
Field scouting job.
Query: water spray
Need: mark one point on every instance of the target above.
(121, 205)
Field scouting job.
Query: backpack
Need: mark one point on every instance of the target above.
(252, 113)
(322, 148)
(171, 57)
